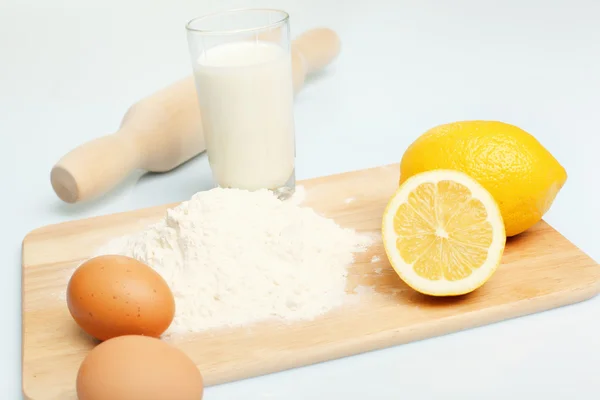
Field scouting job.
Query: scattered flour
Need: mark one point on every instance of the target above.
(349, 200)
(233, 257)
(375, 259)
(378, 271)
(363, 290)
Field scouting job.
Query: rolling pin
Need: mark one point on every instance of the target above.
(164, 130)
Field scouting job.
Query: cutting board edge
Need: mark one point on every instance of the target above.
(40, 230)
(585, 284)
(390, 338)
(386, 339)
(144, 210)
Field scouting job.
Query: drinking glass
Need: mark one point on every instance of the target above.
(242, 68)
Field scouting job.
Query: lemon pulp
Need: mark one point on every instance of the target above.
(443, 233)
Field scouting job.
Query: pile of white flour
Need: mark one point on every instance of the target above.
(232, 257)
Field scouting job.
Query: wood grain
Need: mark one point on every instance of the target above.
(540, 270)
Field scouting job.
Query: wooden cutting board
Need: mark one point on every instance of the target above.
(540, 270)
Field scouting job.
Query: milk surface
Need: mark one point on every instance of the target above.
(246, 96)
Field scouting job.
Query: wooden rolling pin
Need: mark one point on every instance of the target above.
(164, 130)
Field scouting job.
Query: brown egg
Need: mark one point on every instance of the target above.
(138, 367)
(114, 295)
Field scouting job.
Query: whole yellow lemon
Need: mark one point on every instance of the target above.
(522, 176)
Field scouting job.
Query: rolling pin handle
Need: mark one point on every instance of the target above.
(155, 129)
(317, 48)
(94, 167)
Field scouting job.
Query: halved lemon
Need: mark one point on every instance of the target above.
(443, 233)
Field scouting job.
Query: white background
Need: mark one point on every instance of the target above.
(69, 69)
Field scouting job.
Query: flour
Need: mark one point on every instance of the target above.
(232, 257)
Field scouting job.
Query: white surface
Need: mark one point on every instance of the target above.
(69, 70)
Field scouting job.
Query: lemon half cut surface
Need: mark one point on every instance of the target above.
(443, 233)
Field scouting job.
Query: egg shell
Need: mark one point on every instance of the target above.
(138, 367)
(113, 295)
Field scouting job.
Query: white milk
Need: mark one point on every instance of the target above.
(245, 92)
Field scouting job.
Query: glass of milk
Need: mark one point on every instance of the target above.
(242, 68)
